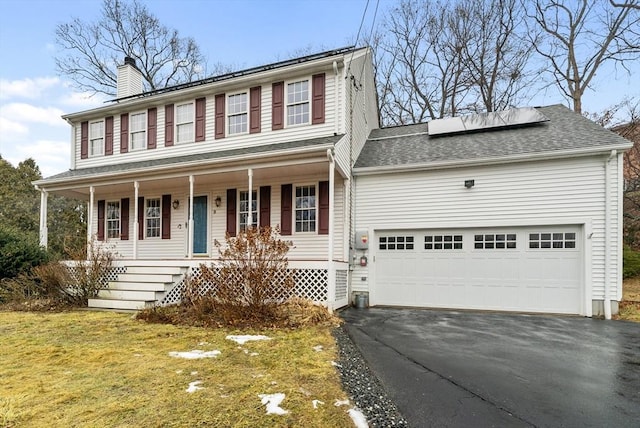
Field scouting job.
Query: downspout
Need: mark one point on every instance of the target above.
(331, 295)
(607, 236)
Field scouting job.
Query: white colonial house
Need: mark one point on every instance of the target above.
(517, 210)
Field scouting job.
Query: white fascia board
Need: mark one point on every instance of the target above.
(207, 165)
(213, 87)
(502, 223)
(563, 154)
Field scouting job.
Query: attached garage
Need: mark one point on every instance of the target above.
(530, 269)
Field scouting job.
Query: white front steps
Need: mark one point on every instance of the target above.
(140, 287)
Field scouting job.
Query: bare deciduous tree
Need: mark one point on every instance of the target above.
(580, 36)
(91, 51)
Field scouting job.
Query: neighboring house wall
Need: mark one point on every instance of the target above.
(564, 191)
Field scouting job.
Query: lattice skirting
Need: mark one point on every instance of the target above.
(111, 274)
(341, 284)
(309, 283)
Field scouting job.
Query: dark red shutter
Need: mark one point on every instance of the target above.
(84, 140)
(277, 106)
(317, 95)
(265, 206)
(152, 125)
(166, 216)
(255, 101)
(323, 208)
(286, 200)
(101, 220)
(168, 125)
(141, 225)
(108, 135)
(124, 133)
(231, 212)
(124, 219)
(200, 115)
(220, 101)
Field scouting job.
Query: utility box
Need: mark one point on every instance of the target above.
(361, 241)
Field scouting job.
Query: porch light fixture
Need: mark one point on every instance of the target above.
(175, 204)
(469, 183)
(218, 201)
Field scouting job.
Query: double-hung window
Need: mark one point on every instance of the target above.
(237, 115)
(244, 209)
(305, 208)
(96, 138)
(113, 219)
(152, 218)
(138, 130)
(298, 103)
(184, 123)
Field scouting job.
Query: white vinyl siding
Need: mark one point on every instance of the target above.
(298, 110)
(237, 113)
(138, 131)
(96, 138)
(113, 219)
(185, 127)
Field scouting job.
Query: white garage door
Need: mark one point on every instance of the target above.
(530, 269)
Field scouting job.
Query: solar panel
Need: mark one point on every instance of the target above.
(482, 121)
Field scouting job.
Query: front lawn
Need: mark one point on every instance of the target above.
(630, 304)
(97, 369)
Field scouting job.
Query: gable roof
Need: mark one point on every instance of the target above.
(566, 133)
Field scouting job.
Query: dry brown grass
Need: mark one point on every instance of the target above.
(630, 305)
(96, 369)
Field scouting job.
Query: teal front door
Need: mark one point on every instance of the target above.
(200, 225)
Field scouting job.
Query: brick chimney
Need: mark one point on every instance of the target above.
(129, 78)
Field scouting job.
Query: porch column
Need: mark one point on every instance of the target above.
(136, 225)
(90, 211)
(250, 216)
(331, 292)
(44, 230)
(190, 236)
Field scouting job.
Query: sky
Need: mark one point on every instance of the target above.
(240, 33)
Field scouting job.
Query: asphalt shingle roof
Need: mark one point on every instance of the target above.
(411, 145)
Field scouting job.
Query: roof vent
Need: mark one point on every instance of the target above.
(129, 79)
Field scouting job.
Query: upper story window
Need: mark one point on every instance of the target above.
(96, 138)
(237, 115)
(298, 103)
(244, 209)
(184, 123)
(113, 219)
(305, 208)
(152, 218)
(138, 130)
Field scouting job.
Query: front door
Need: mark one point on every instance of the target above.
(200, 225)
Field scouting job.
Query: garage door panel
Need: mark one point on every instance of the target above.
(520, 275)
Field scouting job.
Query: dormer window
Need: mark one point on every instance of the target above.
(138, 131)
(298, 103)
(96, 138)
(184, 123)
(237, 113)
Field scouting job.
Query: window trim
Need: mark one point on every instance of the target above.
(568, 237)
(295, 208)
(509, 241)
(147, 218)
(91, 138)
(144, 130)
(229, 115)
(439, 241)
(108, 220)
(177, 124)
(240, 212)
(287, 104)
(407, 242)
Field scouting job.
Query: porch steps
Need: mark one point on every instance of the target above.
(140, 287)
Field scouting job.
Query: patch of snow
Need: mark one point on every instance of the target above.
(316, 403)
(333, 363)
(253, 354)
(318, 348)
(195, 354)
(137, 355)
(241, 340)
(178, 371)
(272, 401)
(193, 386)
(358, 418)
(194, 373)
(339, 403)
(203, 344)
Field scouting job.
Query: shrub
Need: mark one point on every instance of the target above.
(19, 252)
(93, 263)
(630, 262)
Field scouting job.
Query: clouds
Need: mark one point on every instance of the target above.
(30, 120)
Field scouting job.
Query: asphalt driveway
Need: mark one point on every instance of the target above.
(470, 369)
